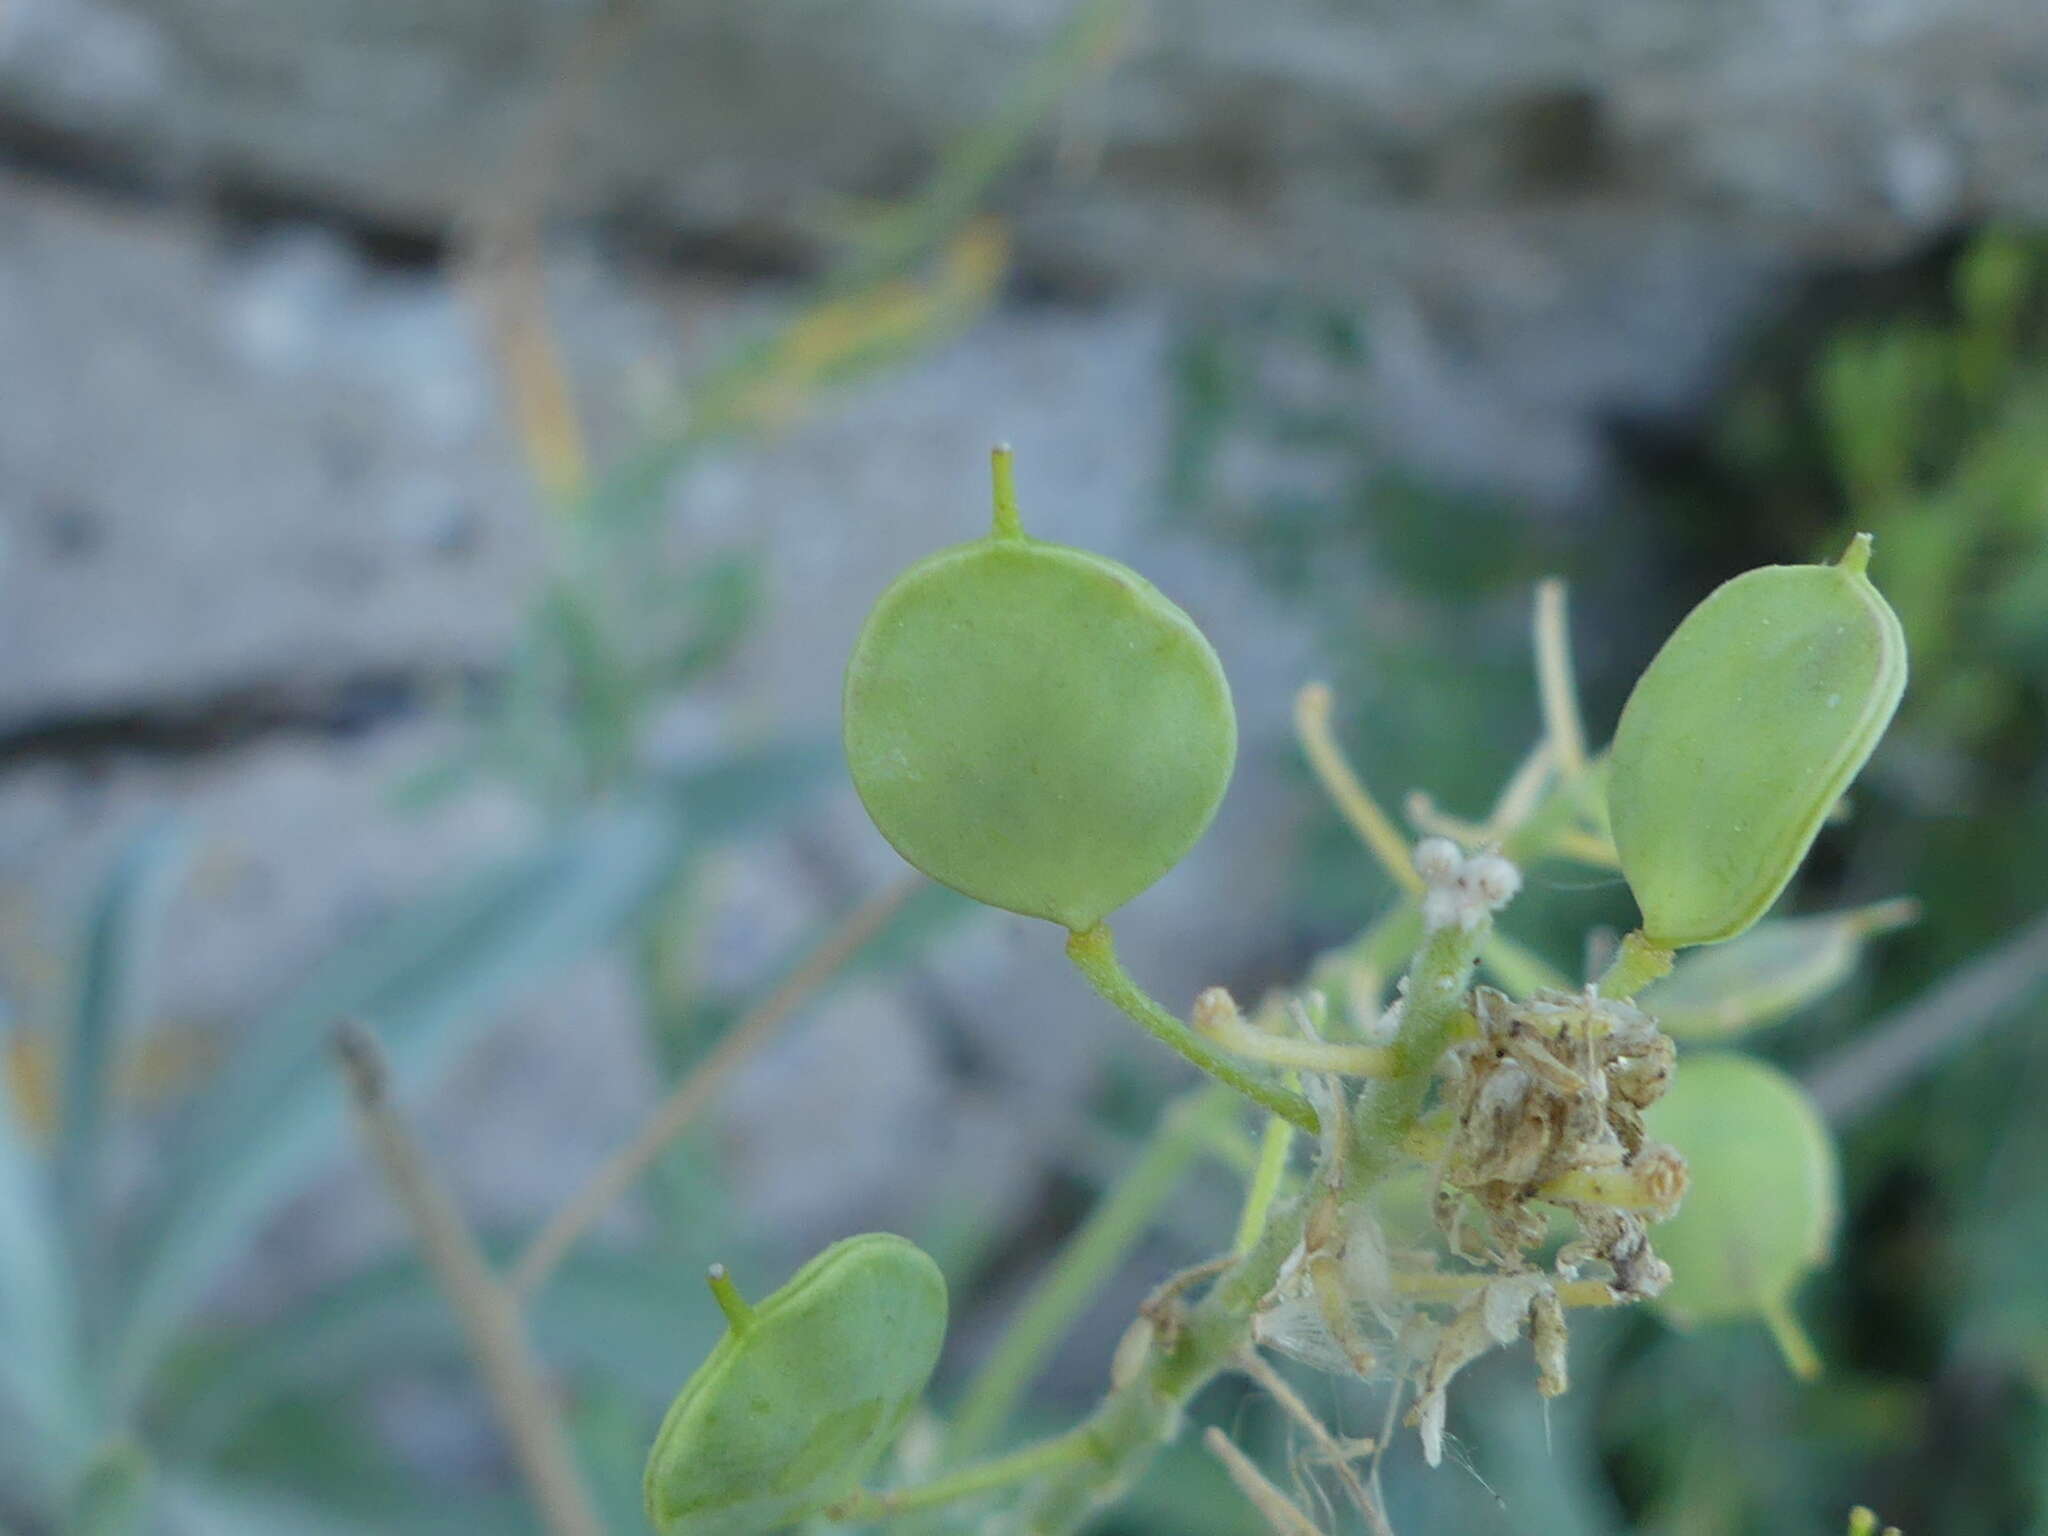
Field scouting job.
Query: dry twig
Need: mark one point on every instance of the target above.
(489, 1314)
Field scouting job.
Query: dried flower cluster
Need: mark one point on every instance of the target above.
(1539, 1111)
(1545, 1107)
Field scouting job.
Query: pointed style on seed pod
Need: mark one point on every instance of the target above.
(804, 1393)
(1036, 726)
(1740, 737)
(1763, 1204)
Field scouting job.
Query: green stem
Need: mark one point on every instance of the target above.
(1638, 963)
(1089, 1258)
(1267, 1177)
(1093, 951)
(1570, 802)
(1128, 1427)
(1363, 965)
(1145, 1411)
(1801, 1358)
(983, 1477)
(1433, 1003)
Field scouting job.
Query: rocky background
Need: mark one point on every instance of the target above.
(262, 508)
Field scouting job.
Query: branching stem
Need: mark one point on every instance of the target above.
(1267, 1177)
(1343, 785)
(1093, 951)
(983, 1477)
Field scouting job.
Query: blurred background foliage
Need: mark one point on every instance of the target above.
(1915, 407)
(1911, 409)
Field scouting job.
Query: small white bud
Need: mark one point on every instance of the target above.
(1493, 879)
(1438, 860)
(1216, 1012)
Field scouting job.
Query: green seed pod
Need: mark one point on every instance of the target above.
(1775, 969)
(1036, 726)
(803, 1394)
(1741, 736)
(1761, 1210)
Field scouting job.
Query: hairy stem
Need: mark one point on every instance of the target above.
(1267, 1176)
(983, 1477)
(1093, 951)
(1129, 1425)
(1138, 1416)
(1433, 1004)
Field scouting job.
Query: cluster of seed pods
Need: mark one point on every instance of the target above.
(1039, 728)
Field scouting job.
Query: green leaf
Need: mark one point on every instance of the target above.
(745, 790)
(625, 1319)
(115, 960)
(608, 1428)
(705, 616)
(429, 978)
(926, 916)
(204, 1505)
(38, 1371)
(318, 1456)
(114, 1493)
(1778, 967)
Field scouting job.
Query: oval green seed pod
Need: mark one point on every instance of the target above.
(1761, 1210)
(803, 1394)
(1036, 726)
(1740, 737)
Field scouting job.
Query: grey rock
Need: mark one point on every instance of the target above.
(1503, 160)
(222, 469)
(1227, 139)
(209, 567)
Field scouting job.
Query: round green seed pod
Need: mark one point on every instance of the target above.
(797, 1402)
(1741, 736)
(1036, 726)
(1762, 1206)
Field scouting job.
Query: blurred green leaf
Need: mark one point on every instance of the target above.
(208, 1505)
(320, 1455)
(429, 978)
(1778, 967)
(113, 1496)
(640, 1323)
(867, 313)
(926, 916)
(600, 703)
(745, 790)
(114, 965)
(611, 1431)
(38, 1375)
(701, 618)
